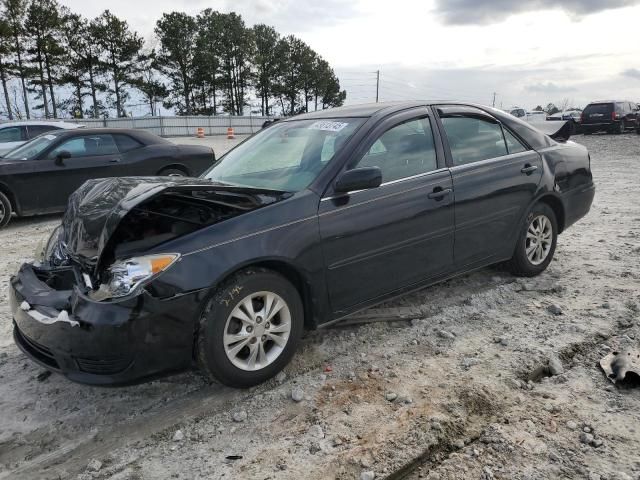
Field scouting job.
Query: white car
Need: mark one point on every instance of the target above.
(14, 134)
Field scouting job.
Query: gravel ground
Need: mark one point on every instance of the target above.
(458, 392)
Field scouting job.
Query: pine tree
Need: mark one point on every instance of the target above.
(177, 34)
(14, 12)
(120, 51)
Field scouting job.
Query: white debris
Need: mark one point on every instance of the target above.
(63, 316)
(25, 306)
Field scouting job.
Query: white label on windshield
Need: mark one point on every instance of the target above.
(328, 126)
(49, 137)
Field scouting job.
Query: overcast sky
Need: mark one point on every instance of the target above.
(528, 52)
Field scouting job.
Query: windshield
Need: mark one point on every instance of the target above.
(286, 156)
(32, 148)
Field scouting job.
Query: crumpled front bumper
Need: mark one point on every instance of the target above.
(100, 343)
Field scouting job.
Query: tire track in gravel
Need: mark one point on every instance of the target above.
(71, 457)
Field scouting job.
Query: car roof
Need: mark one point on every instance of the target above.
(377, 109)
(610, 101)
(143, 136)
(41, 122)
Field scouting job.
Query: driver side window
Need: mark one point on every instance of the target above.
(403, 151)
(86, 146)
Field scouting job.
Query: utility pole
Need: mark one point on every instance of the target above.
(377, 85)
(494, 99)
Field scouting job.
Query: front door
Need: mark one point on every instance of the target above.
(92, 156)
(495, 176)
(384, 239)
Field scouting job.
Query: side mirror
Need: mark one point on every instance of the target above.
(358, 179)
(62, 156)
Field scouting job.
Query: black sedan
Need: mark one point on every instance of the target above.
(308, 221)
(39, 176)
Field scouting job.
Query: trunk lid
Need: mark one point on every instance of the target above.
(597, 113)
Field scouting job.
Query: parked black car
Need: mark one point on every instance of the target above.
(308, 221)
(39, 176)
(613, 116)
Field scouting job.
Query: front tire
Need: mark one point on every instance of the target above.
(5, 210)
(250, 329)
(536, 243)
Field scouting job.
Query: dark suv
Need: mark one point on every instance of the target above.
(613, 116)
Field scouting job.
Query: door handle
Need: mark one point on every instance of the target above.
(439, 193)
(529, 169)
(114, 160)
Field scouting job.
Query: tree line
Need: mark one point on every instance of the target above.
(58, 63)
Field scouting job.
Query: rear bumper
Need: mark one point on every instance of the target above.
(577, 203)
(101, 343)
(600, 127)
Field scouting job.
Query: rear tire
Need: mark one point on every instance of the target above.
(622, 126)
(536, 243)
(250, 329)
(172, 172)
(5, 210)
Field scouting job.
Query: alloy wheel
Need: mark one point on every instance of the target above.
(3, 212)
(539, 239)
(257, 331)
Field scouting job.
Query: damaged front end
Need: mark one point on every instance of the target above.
(111, 224)
(85, 308)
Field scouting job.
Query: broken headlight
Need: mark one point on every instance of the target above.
(125, 276)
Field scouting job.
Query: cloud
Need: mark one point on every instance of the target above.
(549, 87)
(293, 16)
(484, 12)
(632, 73)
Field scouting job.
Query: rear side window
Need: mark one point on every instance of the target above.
(35, 130)
(473, 139)
(403, 151)
(125, 143)
(513, 144)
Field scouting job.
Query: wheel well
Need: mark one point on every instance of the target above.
(558, 209)
(291, 274)
(296, 279)
(182, 168)
(12, 199)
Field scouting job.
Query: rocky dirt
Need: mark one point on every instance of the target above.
(457, 386)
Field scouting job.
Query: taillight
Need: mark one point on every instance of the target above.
(614, 115)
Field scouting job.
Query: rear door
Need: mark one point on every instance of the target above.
(380, 240)
(495, 176)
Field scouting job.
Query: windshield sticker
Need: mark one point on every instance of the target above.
(328, 126)
(49, 137)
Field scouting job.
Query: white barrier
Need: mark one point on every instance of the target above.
(181, 126)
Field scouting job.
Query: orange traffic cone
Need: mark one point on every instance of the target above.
(200, 132)
(230, 134)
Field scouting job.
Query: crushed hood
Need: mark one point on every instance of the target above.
(96, 209)
(559, 130)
